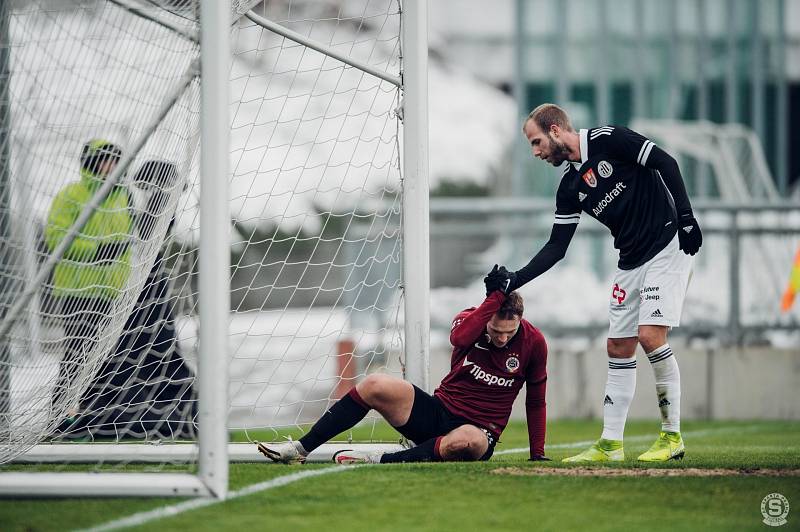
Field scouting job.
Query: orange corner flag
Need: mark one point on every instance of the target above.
(794, 285)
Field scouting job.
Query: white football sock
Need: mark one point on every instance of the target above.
(620, 387)
(668, 387)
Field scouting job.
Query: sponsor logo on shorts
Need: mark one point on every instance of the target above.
(610, 197)
(618, 294)
(489, 435)
(648, 293)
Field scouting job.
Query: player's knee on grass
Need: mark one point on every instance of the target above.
(466, 443)
(621, 347)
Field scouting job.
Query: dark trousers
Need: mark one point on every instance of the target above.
(143, 389)
(83, 319)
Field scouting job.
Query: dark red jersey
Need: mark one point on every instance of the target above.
(484, 380)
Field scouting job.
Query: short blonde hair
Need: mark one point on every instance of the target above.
(549, 114)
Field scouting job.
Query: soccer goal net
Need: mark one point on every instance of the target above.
(103, 188)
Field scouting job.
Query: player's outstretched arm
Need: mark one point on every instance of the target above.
(469, 324)
(553, 251)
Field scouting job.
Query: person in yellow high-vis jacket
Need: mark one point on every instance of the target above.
(793, 287)
(95, 268)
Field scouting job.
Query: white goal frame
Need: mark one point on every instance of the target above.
(212, 450)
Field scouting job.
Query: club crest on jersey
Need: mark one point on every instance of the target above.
(512, 363)
(605, 169)
(590, 178)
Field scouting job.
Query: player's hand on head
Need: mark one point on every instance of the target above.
(510, 282)
(493, 280)
(500, 279)
(690, 238)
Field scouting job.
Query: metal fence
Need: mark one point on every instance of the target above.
(747, 257)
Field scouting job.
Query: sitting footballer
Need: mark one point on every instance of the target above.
(495, 352)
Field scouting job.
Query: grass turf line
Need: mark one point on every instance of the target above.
(432, 494)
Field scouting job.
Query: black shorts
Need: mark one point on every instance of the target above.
(430, 419)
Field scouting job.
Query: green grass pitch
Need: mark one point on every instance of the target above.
(476, 496)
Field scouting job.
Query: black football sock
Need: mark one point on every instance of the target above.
(344, 414)
(427, 451)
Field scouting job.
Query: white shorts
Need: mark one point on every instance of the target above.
(651, 294)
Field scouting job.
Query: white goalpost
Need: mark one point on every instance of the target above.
(214, 222)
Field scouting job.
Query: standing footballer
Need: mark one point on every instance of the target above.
(634, 188)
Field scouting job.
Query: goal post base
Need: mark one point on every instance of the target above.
(92, 453)
(101, 485)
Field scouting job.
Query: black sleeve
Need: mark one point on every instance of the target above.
(631, 146)
(567, 217)
(667, 166)
(552, 252)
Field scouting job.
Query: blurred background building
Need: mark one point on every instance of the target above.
(611, 61)
(714, 82)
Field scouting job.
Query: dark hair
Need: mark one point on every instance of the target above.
(96, 152)
(512, 307)
(549, 114)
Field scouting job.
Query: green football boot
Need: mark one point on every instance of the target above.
(668, 446)
(600, 451)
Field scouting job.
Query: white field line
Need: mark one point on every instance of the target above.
(175, 509)
(633, 439)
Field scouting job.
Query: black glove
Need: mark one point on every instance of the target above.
(538, 458)
(511, 280)
(495, 280)
(690, 238)
(110, 251)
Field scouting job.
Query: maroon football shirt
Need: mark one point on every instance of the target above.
(484, 380)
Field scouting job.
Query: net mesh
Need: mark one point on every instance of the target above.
(104, 349)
